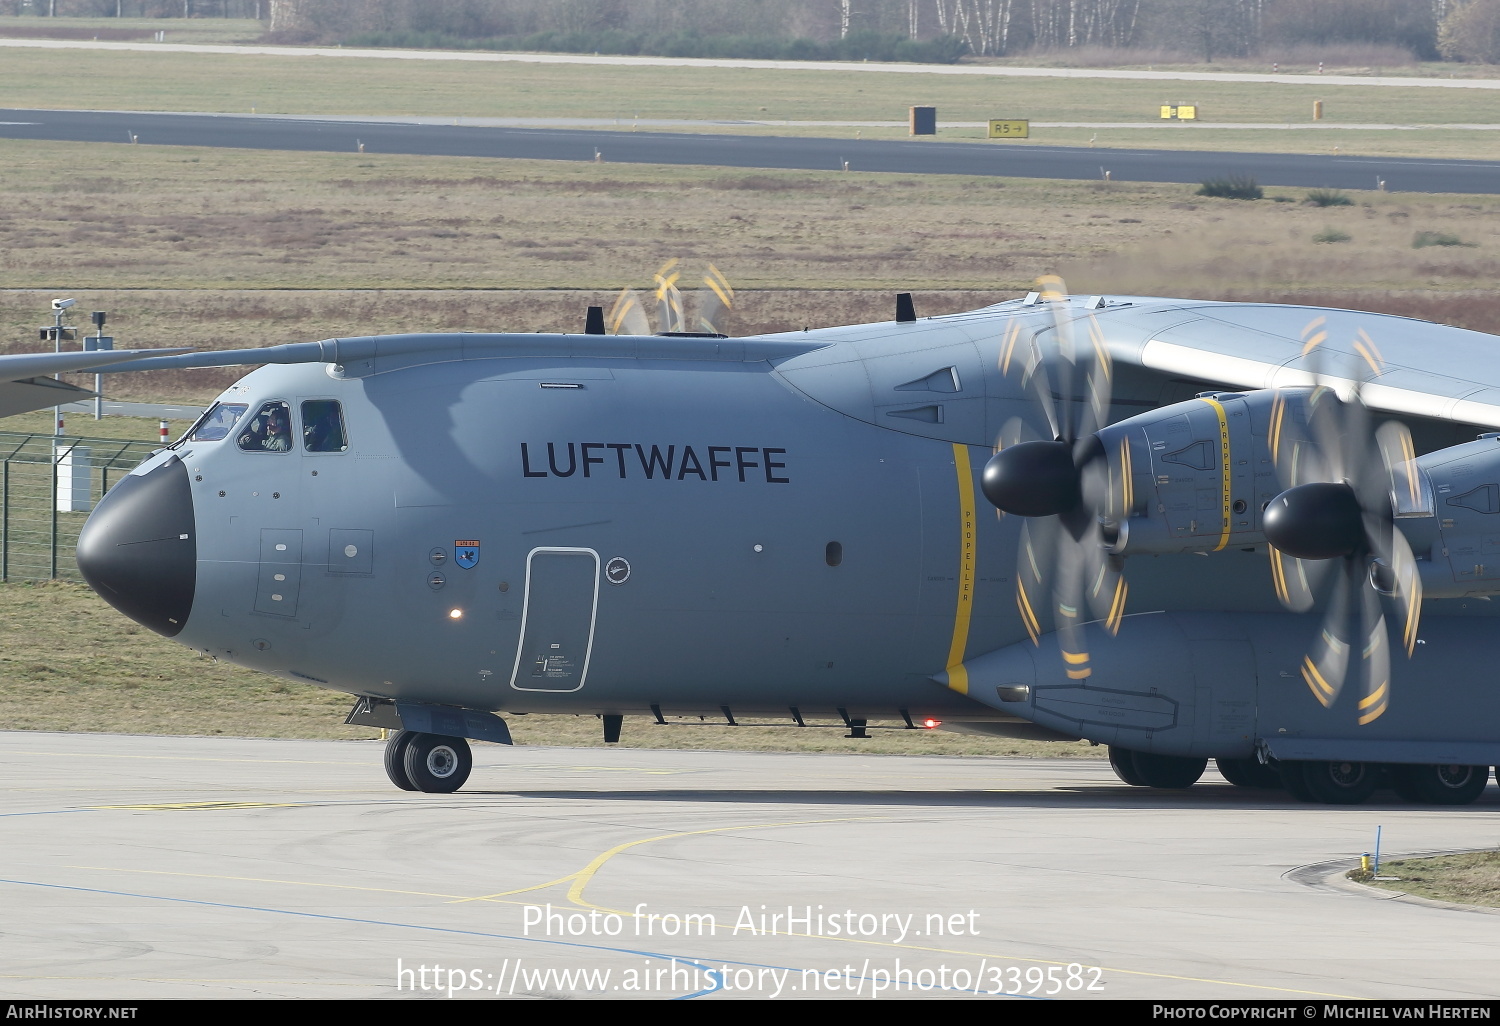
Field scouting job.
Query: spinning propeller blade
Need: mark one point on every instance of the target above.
(1062, 485)
(628, 316)
(668, 299)
(1341, 480)
(714, 299)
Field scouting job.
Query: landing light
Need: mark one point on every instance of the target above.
(455, 614)
(930, 723)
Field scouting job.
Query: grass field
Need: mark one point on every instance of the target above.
(69, 662)
(178, 30)
(1472, 878)
(113, 80)
(220, 248)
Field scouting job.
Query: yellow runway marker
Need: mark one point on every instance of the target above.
(582, 877)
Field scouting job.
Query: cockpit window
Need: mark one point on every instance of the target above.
(270, 430)
(323, 426)
(217, 422)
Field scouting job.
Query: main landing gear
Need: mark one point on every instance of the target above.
(1144, 769)
(1249, 773)
(1326, 783)
(434, 763)
(1440, 785)
(1331, 783)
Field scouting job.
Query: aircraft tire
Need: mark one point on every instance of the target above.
(1294, 781)
(395, 756)
(436, 763)
(1124, 766)
(1249, 773)
(1342, 782)
(1404, 783)
(1441, 784)
(1168, 772)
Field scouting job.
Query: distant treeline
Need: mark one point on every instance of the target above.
(909, 30)
(1087, 31)
(856, 46)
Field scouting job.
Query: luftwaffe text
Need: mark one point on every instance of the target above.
(625, 460)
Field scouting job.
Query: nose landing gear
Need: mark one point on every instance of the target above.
(434, 763)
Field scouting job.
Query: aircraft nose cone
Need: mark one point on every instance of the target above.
(139, 548)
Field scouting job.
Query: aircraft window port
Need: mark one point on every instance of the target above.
(323, 426)
(217, 422)
(270, 430)
(833, 555)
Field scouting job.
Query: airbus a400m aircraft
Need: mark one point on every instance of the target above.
(1165, 526)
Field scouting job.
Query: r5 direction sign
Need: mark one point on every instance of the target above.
(1011, 129)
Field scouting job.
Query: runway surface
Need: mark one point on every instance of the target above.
(141, 867)
(1399, 174)
(151, 411)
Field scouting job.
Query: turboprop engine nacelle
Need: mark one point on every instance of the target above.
(1448, 506)
(1197, 477)
(1193, 477)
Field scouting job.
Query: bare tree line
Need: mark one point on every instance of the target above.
(255, 9)
(1460, 29)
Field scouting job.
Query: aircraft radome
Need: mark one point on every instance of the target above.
(456, 528)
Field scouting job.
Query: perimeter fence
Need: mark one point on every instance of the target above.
(48, 486)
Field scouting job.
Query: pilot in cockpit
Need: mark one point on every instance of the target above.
(269, 431)
(278, 431)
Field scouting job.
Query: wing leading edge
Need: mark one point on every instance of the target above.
(25, 386)
(1426, 369)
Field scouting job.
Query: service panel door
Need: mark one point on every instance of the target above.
(280, 579)
(557, 620)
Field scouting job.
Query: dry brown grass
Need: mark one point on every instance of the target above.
(1266, 251)
(1472, 878)
(219, 248)
(227, 220)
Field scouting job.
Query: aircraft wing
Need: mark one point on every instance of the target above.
(25, 386)
(1404, 365)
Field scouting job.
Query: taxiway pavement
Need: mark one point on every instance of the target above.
(916, 156)
(160, 867)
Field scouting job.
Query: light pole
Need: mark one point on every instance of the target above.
(99, 343)
(59, 332)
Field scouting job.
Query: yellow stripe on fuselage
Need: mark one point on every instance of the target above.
(1224, 460)
(958, 675)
